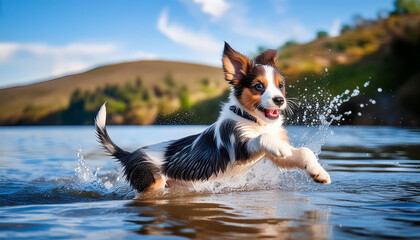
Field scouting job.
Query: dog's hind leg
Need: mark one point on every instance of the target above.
(159, 183)
(154, 188)
(141, 172)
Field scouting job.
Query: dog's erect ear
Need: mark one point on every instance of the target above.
(235, 65)
(268, 57)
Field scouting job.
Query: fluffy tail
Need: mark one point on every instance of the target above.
(103, 136)
(137, 169)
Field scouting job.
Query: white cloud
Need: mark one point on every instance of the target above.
(7, 50)
(215, 8)
(63, 59)
(197, 41)
(60, 60)
(74, 49)
(335, 28)
(275, 33)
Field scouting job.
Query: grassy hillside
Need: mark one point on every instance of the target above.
(385, 52)
(358, 53)
(31, 103)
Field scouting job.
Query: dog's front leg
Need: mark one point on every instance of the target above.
(305, 159)
(269, 144)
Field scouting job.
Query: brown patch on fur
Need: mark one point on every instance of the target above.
(279, 79)
(250, 97)
(268, 57)
(235, 65)
(159, 183)
(249, 100)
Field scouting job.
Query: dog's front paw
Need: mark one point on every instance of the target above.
(313, 168)
(318, 173)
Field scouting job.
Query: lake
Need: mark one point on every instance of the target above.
(56, 182)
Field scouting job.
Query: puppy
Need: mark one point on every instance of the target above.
(248, 129)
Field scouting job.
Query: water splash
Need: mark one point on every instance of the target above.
(83, 171)
(366, 84)
(109, 183)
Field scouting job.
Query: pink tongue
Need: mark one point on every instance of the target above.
(271, 113)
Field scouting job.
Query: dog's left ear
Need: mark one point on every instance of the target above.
(235, 65)
(268, 57)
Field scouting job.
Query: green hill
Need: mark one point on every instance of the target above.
(41, 102)
(384, 52)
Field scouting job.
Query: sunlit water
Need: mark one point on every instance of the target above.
(49, 189)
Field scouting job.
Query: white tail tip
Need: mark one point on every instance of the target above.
(100, 119)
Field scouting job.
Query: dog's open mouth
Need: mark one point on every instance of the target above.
(269, 113)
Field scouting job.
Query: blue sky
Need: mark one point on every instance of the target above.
(43, 39)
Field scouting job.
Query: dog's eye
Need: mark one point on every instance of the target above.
(281, 85)
(259, 87)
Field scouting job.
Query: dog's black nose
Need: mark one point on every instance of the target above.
(278, 100)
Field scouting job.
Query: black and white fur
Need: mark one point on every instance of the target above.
(232, 145)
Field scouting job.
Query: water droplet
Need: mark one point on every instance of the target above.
(359, 113)
(379, 89)
(326, 69)
(355, 93)
(362, 105)
(366, 84)
(306, 89)
(373, 102)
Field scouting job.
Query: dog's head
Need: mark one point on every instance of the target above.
(257, 85)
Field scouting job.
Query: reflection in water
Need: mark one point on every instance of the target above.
(259, 214)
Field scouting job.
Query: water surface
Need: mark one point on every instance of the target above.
(56, 182)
